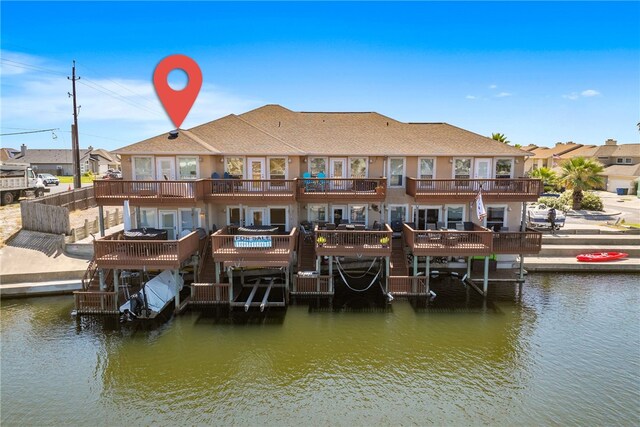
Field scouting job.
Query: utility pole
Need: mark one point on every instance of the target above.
(75, 143)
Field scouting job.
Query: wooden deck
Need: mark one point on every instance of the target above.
(458, 190)
(341, 189)
(246, 190)
(266, 250)
(353, 243)
(114, 252)
(113, 192)
(449, 242)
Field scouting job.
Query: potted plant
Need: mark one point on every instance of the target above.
(321, 240)
(384, 241)
(380, 190)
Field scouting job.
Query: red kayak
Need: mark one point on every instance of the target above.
(601, 256)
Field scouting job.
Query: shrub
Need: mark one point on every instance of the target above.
(590, 201)
(88, 174)
(555, 202)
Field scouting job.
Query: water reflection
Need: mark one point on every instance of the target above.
(564, 351)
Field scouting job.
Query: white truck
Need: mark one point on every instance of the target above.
(16, 179)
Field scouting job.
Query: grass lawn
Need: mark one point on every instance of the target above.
(69, 180)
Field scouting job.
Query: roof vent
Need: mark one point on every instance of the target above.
(173, 134)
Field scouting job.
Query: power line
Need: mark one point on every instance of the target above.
(97, 87)
(32, 131)
(30, 67)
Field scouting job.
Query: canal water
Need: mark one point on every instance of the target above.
(566, 350)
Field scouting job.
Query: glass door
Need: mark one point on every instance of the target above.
(339, 214)
(165, 169)
(338, 169)
(427, 217)
(256, 216)
(482, 169)
(257, 173)
(169, 222)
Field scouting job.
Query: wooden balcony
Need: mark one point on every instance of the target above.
(210, 293)
(527, 242)
(112, 192)
(266, 250)
(353, 243)
(339, 189)
(408, 285)
(114, 252)
(239, 190)
(458, 190)
(312, 285)
(449, 242)
(95, 302)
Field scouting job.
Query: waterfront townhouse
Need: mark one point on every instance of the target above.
(306, 192)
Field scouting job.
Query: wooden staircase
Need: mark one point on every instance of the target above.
(398, 259)
(306, 255)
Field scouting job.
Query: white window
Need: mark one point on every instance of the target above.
(398, 213)
(317, 213)
(504, 168)
(317, 165)
(188, 220)
(358, 167)
(188, 168)
(454, 214)
(462, 168)
(619, 160)
(628, 160)
(426, 168)
(358, 214)
(235, 166)
(496, 217)
(396, 171)
(142, 168)
(148, 218)
(277, 168)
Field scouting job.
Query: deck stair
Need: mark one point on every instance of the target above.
(306, 254)
(559, 253)
(398, 259)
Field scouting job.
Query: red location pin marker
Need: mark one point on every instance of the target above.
(177, 103)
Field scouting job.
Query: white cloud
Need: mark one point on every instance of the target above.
(493, 86)
(503, 94)
(590, 92)
(15, 63)
(471, 97)
(585, 93)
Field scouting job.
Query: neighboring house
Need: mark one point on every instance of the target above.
(622, 164)
(357, 177)
(10, 154)
(548, 157)
(60, 161)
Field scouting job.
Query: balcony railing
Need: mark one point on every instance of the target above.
(312, 285)
(210, 293)
(253, 250)
(341, 189)
(353, 242)
(501, 189)
(449, 242)
(408, 285)
(141, 193)
(526, 242)
(250, 189)
(113, 252)
(95, 302)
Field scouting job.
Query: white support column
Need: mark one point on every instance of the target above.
(176, 275)
(523, 228)
(101, 277)
(427, 272)
(485, 281)
(415, 265)
(116, 278)
(387, 267)
(330, 272)
(319, 265)
(230, 285)
(217, 272)
(469, 267)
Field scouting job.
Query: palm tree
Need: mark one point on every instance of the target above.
(500, 137)
(580, 174)
(548, 177)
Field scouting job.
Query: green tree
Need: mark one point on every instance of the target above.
(580, 174)
(548, 177)
(500, 137)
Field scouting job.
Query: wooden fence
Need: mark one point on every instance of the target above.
(111, 219)
(50, 214)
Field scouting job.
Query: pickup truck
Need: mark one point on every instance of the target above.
(16, 180)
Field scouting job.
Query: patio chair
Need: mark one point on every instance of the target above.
(330, 226)
(308, 182)
(322, 184)
(440, 225)
(376, 226)
(396, 226)
(307, 231)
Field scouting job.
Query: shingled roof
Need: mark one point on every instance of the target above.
(273, 129)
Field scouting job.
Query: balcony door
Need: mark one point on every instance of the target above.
(256, 216)
(427, 217)
(257, 171)
(165, 168)
(339, 214)
(482, 169)
(168, 220)
(338, 169)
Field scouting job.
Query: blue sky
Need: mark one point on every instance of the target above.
(538, 72)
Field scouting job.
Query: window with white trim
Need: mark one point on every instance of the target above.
(454, 214)
(317, 165)
(235, 166)
(317, 213)
(189, 221)
(277, 168)
(628, 160)
(358, 214)
(396, 171)
(358, 167)
(426, 168)
(278, 217)
(504, 168)
(398, 213)
(619, 160)
(496, 217)
(187, 167)
(142, 168)
(462, 168)
(148, 218)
